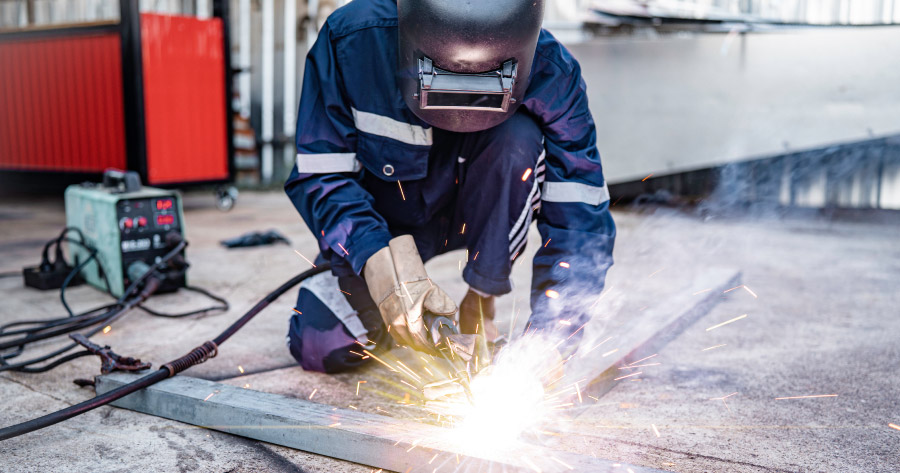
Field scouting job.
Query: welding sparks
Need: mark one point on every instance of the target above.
(648, 177)
(751, 292)
(357, 386)
(107, 329)
(564, 265)
(552, 294)
(557, 460)
(894, 426)
(532, 465)
(343, 249)
(609, 353)
(701, 292)
(806, 397)
(723, 397)
(642, 359)
(714, 347)
(335, 424)
(654, 273)
(655, 430)
(241, 369)
(727, 322)
(628, 376)
(638, 366)
(305, 258)
(297, 311)
(313, 393)
(526, 174)
(207, 397)
(401, 190)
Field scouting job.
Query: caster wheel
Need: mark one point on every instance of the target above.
(226, 198)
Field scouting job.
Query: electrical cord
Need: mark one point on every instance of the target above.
(196, 356)
(223, 305)
(77, 269)
(100, 317)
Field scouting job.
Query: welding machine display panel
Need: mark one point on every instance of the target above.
(144, 224)
(164, 204)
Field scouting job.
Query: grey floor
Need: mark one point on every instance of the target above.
(824, 320)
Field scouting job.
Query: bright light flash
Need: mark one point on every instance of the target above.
(508, 399)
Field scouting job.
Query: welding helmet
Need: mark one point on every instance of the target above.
(465, 64)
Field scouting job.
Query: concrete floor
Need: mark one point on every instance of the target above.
(825, 322)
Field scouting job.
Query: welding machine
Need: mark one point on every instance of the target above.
(129, 225)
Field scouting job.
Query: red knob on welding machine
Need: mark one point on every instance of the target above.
(126, 224)
(141, 222)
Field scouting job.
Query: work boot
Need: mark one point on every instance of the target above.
(476, 314)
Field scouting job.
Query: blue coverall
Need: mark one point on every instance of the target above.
(368, 169)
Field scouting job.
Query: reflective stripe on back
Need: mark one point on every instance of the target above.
(323, 163)
(390, 128)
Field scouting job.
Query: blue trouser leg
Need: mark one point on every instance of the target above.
(474, 179)
(331, 330)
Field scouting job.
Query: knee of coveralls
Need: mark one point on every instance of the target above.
(507, 149)
(495, 201)
(318, 339)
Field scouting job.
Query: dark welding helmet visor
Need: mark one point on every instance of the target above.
(465, 64)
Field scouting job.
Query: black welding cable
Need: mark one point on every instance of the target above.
(42, 324)
(207, 350)
(55, 363)
(114, 315)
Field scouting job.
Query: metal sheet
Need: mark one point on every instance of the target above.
(184, 99)
(61, 103)
(678, 102)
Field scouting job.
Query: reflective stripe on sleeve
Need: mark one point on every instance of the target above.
(390, 128)
(574, 192)
(327, 162)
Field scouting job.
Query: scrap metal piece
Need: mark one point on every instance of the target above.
(109, 360)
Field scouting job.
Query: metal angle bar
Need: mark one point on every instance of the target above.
(345, 434)
(655, 328)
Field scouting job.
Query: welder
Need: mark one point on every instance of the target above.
(427, 126)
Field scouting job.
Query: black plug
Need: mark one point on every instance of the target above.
(49, 275)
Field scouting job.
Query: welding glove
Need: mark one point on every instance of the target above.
(400, 286)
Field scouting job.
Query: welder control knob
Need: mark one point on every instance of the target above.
(388, 170)
(126, 224)
(140, 222)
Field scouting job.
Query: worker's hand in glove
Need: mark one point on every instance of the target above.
(400, 286)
